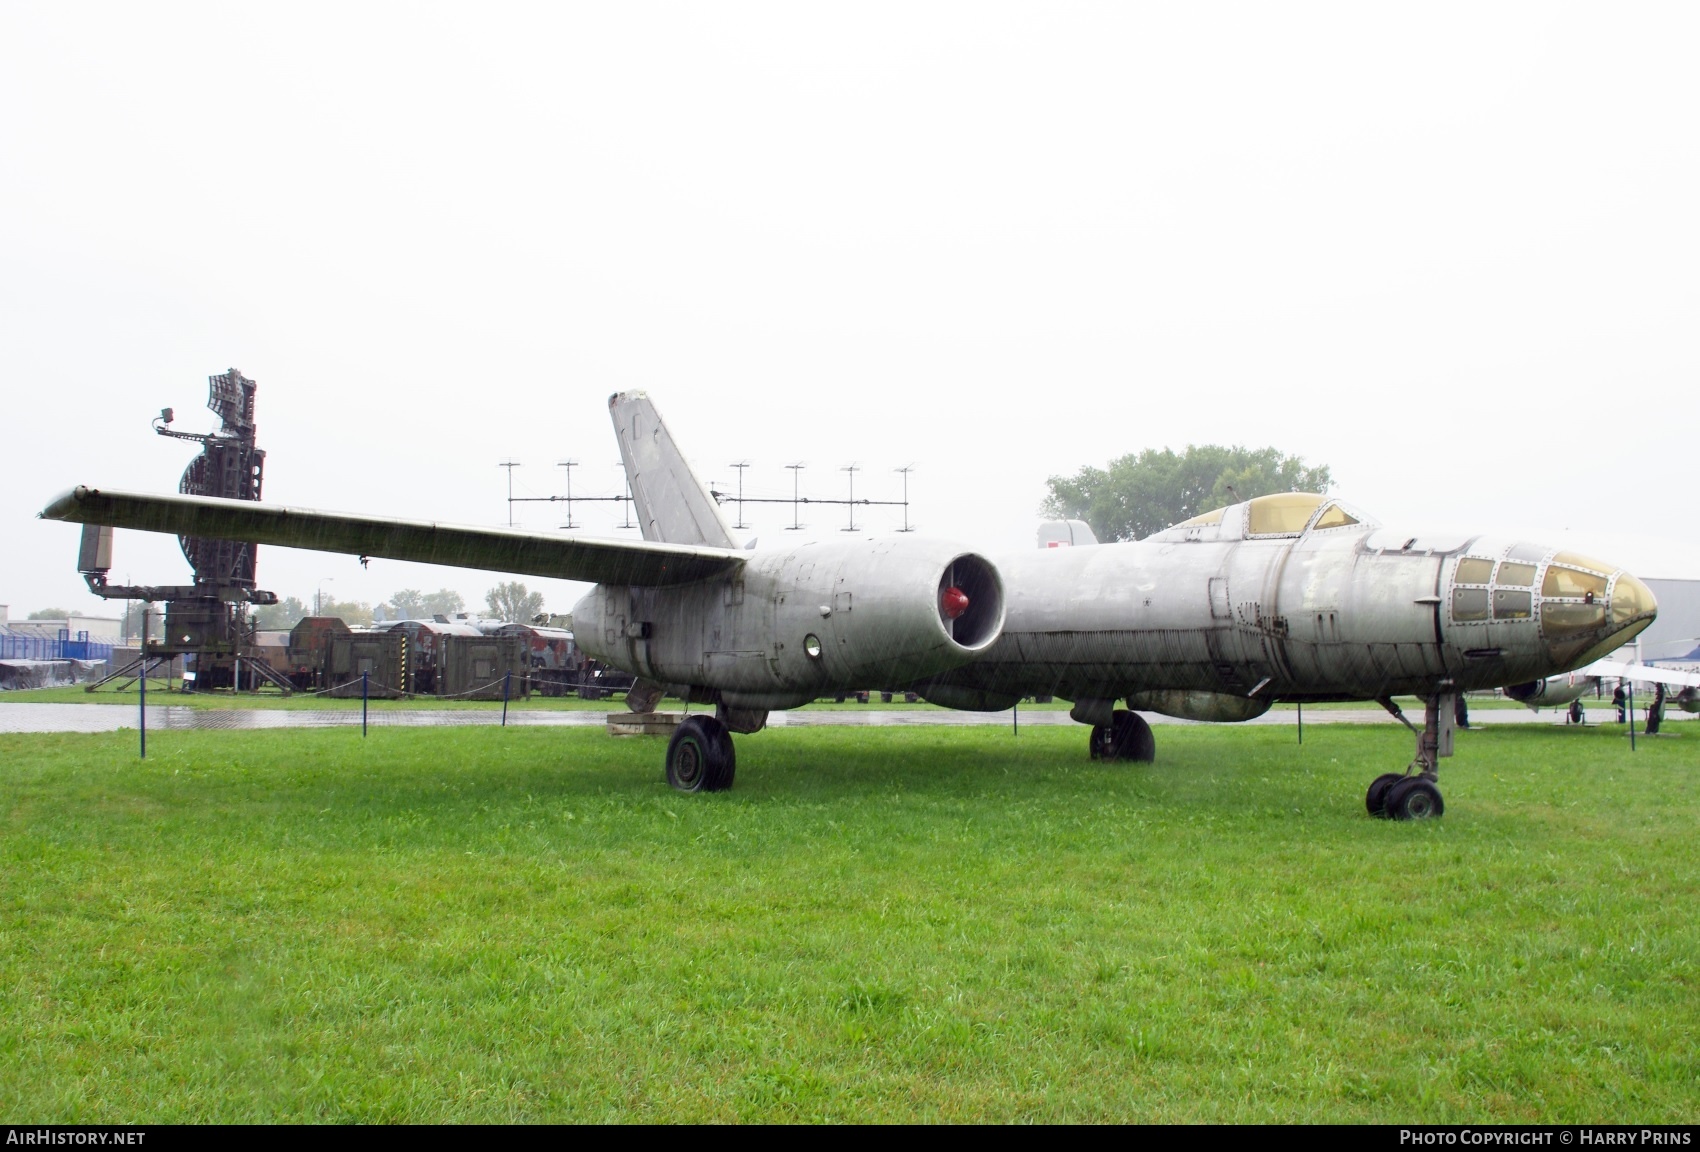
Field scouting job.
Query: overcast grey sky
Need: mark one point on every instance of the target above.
(1448, 250)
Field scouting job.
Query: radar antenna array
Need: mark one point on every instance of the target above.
(209, 618)
(737, 499)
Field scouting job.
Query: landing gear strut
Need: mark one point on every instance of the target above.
(1414, 794)
(1126, 737)
(700, 757)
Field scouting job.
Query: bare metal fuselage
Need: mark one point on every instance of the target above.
(1309, 619)
(1349, 613)
(1209, 628)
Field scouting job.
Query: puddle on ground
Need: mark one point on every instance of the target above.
(181, 717)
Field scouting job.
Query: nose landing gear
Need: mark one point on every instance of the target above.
(1415, 794)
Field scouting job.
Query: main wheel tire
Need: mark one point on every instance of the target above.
(1137, 739)
(1376, 798)
(699, 756)
(1577, 715)
(1414, 799)
(1126, 737)
(728, 759)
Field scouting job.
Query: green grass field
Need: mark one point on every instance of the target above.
(881, 924)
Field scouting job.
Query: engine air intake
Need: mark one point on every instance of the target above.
(971, 601)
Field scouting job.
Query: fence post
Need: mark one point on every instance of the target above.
(143, 707)
(363, 690)
(507, 682)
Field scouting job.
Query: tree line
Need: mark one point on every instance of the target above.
(1138, 494)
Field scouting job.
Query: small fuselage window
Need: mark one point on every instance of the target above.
(1469, 604)
(1473, 570)
(1333, 516)
(1512, 604)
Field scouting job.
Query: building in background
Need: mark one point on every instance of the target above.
(1675, 634)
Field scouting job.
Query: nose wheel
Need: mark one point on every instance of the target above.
(1415, 793)
(1396, 797)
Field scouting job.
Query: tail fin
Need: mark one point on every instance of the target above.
(672, 505)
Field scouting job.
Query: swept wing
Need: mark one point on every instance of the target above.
(550, 554)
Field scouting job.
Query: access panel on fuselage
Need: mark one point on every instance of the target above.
(1245, 635)
(1360, 622)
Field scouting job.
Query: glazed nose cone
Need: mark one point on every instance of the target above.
(1589, 608)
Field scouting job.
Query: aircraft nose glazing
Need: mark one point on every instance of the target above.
(1589, 608)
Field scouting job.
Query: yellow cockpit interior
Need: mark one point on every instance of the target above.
(1280, 514)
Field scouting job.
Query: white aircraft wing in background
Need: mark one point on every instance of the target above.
(1642, 673)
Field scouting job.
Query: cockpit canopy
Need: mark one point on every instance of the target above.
(1275, 515)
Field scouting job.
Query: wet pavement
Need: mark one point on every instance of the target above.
(181, 717)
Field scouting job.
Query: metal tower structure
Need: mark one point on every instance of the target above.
(209, 618)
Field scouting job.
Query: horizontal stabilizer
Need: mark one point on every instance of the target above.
(511, 550)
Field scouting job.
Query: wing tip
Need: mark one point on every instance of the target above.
(64, 505)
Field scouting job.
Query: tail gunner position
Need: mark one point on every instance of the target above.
(1290, 597)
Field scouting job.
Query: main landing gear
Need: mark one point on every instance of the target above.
(1414, 794)
(1126, 737)
(700, 757)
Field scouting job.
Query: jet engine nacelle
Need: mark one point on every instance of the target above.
(790, 626)
(1553, 691)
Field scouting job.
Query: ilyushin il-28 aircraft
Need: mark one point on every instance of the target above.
(1292, 597)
